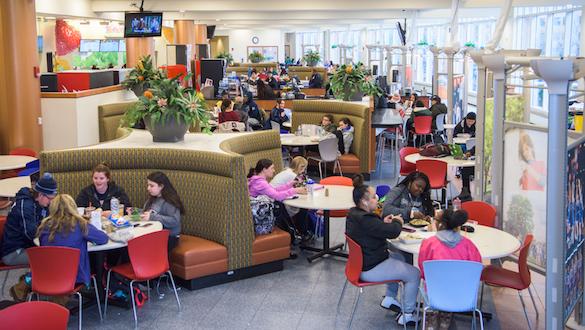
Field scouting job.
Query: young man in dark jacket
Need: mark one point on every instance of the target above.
(30, 208)
(467, 126)
(437, 108)
(316, 81)
(255, 118)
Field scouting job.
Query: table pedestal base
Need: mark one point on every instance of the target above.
(326, 250)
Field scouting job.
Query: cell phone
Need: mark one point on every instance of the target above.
(294, 197)
(408, 230)
(147, 224)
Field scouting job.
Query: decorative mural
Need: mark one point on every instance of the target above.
(67, 37)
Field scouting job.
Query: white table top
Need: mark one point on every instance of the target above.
(298, 141)
(449, 126)
(9, 187)
(340, 198)
(287, 124)
(412, 158)
(492, 243)
(10, 162)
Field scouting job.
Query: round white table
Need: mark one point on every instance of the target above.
(292, 140)
(9, 187)
(287, 124)
(140, 228)
(413, 158)
(449, 128)
(10, 162)
(461, 140)
(492, 243)
(340, 198)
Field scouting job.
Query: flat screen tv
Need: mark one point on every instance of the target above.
(89, 45)
(144, 24)
(109, 45)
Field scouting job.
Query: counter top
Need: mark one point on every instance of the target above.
(74, 95)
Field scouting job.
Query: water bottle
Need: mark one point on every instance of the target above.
(299, 131)
(456, 204)
(310, 187)
(114, 205)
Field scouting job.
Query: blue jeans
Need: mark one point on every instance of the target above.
(394, 268)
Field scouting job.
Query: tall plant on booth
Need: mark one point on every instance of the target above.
(142, 76)
(169, 109)
(350, 82)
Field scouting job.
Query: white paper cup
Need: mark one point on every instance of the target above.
(81, 210)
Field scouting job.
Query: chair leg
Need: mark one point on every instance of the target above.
(132, 298)
(339, 167)
(402, 297)
(174, 289)
(533, 302)
(80, 308)
(481, 296)
(107, 291)
(480, 319)
(148, 289)
(97, 297)
(355, 306)
(4, 282)
(524, 308)
(320, 172)
(424, 317)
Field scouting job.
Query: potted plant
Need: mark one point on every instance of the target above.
(227, 57)
(140, 78)
(256, 57)
(168, 110)
(312, 58)
(351, 82)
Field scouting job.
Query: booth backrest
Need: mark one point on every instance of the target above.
(109, 116)
(311, 112)
(212, 186)
(242, 68)
(305, 72)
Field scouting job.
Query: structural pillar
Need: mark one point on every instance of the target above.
(137, 48)
(479, 176)
(436, 51)
(450, 52)
(20, 95)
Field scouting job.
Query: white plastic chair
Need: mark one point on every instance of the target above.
(461, 296)
(275, 126)
(328, 152)
(469, 144)
(231, 126)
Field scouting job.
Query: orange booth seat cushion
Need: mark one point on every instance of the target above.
(350, 163)
(271, 247)
(197, 257)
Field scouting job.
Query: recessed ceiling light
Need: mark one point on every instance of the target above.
(182, 11)
(217, 19)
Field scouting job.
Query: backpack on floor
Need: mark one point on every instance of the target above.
(120, 289)
(263, 214)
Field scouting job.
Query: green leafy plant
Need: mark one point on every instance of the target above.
(350, 79)
(227, 56)
(312, 58)
(166, 98)
(143, 73)
(256, 57)
(520, 216)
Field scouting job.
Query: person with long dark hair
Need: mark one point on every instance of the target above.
(411, 198)
(371, 232)
(164, 205)
(99, 194)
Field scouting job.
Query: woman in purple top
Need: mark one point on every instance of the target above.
(65, 227)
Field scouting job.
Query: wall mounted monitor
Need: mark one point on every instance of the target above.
(144, 24)
(109, 45)
(89, 45)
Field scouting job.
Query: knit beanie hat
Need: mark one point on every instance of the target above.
(46, 185)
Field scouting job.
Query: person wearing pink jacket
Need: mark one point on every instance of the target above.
(447, 244)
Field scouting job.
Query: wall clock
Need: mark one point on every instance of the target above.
(255, 40)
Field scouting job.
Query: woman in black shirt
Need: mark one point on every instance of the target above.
(99, 194)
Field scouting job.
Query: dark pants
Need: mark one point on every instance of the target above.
(173, 242)
(299, 224)
(467, 175)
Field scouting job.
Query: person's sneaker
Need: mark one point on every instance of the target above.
(408, 318)
(391, 304)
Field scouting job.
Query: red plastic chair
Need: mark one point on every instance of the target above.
(35, 315)
(353, 270)
(436, 170)
(148, 260)
(4, 267)
(337, 181)
(482, 212)
(54, 271)
(405, 167)
(423, 126)
(520, 280)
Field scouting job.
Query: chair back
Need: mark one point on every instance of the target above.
(328, 149)
(452, 285)
(523, 261)
(336, 181)
(149, 254)
(54, 269)
(482, 212)
(208, 92)
(309, 129)
(23, 152)
(436, 170)
(423, 124)
(231, 126)
(469, 144)
(405, 167)
(35, 315)
(355, 261)
(274, 126)
(382, 190)
(2, 223)
(440, 122)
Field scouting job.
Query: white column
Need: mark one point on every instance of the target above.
(436, 51)
(478, 193)
(450, 52)
(326, 46)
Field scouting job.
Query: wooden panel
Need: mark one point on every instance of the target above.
(89, 92)
(137, 48)
(185, 32)
(314, 91)
(201, 34)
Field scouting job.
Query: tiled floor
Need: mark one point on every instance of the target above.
(302, 296)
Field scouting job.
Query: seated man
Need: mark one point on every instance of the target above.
(30, 208)
(419, 110)
(329, 130)
(316, 80)
(467, 125)
(277, 115)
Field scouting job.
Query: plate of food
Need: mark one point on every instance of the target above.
(411, 238)
(418, 223)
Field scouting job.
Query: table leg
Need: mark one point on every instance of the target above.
(326, 250)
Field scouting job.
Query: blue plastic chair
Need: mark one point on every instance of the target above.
(382, 190)
(31, 168)
(460, 295)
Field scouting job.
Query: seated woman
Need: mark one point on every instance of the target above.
(411, 198)
(418, 110)
(258, 185)
(227, 112)
(447, 244)
(371, 232)
(65, 227)
(347, 130)
(265, 92)
(164, 205)
(100, 193)
(277, 115)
